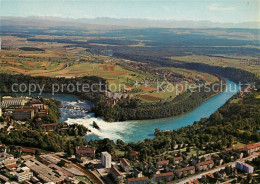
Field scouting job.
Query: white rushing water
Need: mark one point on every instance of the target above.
(114, 131)
(133, 131)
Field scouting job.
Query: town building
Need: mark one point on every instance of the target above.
(27, 150)
(137, 173)
(117, 176)
(22, 114)
(86, 151)
(185, 171)
(45, 173)
(244, 167)
(24, 174)
(202, 166)
(8, 101)
(160, 164)
(134, 154)
(251, 148)
(106, 160)
(164, 177)
(195, 181)
(177, 160)
(125, 165)
(6, 160)
(49, 126)
(142, 180)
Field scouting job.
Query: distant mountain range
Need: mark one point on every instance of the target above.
(168, 23)
(104, 22)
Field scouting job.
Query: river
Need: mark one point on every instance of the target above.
(133, 131)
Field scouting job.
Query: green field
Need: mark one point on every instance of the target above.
(241, 62)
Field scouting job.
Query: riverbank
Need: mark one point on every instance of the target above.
(133, 131)
(124, 110)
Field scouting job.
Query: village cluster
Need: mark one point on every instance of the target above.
(34, 167)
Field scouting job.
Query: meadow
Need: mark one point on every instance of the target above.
(53, 59)
(249, 63)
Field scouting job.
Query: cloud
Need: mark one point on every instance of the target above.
(219, 7)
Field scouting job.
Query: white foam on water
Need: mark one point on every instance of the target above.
(113, 131)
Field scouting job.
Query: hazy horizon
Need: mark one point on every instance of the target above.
(224, 11)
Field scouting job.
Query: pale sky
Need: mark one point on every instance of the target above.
(213, 10)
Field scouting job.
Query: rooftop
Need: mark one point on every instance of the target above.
(124, 161)
(115, 171)
(164, 174)
(252, 146)
(163, 162)
(138, 179)
(206, 163)
(178, 158)
(186, 169)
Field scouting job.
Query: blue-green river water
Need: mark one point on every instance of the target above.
(132, 131)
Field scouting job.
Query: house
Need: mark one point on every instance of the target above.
(86, 151)
(210, 175)
(26, 150)
(160, 164)
(207, 178)
(133, 154)
(125, 165)
(137, 173)
(240, 148)
(177, 160)
(169, 176)
(6, 158)
(195, 181)
(202, 166)
(142, 180)
(244, 167)
(228, 149)
(251, 148)
(117, 176)
(185, 171)
(106, 159)
(128, 89)
(9, 164)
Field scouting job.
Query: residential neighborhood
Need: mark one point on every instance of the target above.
(32, 166)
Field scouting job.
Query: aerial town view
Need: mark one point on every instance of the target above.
(130, 92)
